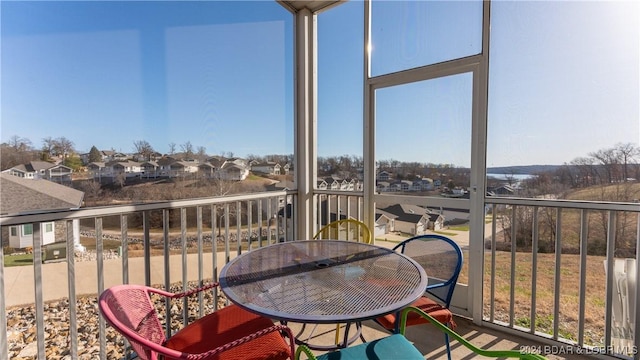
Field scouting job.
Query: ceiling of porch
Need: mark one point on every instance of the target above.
(312, 5)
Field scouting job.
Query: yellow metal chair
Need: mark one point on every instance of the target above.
(345, 229)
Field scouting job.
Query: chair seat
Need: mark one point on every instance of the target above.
(425, 304)
(392, 347)
(221, 327)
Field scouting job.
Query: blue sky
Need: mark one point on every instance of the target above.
(219, 75)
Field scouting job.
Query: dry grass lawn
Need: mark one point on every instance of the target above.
(569, 288)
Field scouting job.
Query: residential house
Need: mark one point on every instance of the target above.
(269, 168)
(384, 223)
(182, 168)
(206, 170)
(42, 170)
(127, 168)
(413, 219)
(332, 183)
(503, 190)
(19, 195)
(216, 161)
(97, 169)
(233, 170)
(425, 184)
(384, 176)
(150, 169)
(383, 186)
(146, 157)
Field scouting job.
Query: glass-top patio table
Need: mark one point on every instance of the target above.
(323, 282)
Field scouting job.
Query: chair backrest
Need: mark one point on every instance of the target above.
(440, 257)
(345, 229)
(129, 309)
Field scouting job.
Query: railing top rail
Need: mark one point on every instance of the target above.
(339, 192)
(561, 203)
(44, 216)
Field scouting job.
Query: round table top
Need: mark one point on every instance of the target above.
(323, 281)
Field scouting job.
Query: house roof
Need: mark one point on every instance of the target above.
(389, 215)
(19, 195)
(405, 212)
(34, 166)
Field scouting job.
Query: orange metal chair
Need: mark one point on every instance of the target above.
(229, 333)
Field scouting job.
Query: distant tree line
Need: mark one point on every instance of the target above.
(605, 166)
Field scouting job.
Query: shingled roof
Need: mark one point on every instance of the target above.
(19, 195)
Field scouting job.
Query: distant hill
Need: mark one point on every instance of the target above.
(522, 169)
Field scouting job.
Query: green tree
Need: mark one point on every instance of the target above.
(94, 155)
(73, 162)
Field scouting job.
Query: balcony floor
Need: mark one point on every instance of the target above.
(430, 340)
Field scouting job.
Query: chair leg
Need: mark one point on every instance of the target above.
(446, 341)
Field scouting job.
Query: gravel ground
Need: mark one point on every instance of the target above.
(21, 327)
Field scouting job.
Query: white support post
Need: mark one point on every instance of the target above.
(305, 122)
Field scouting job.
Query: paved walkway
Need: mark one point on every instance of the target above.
(20, 289)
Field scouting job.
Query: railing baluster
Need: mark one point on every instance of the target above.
(611, 249)
(100, 263)
(71, 279)
(636, 305)
(250, 223)
(146, 246)
(492, 290)
(214, 252)
(260, 224)
(534, 267)
(227, 250)
(37, 276)
(514, 243)
(558, 266)
(4, 346)
(584, 224)
(200, 259)
(124, 249)
(239, 227)
(166, 251)
(185, 279)
(269, 222)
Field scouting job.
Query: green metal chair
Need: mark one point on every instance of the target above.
(397, 346)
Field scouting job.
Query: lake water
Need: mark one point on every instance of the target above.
(517, 177)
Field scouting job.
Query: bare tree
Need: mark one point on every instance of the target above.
(201, 153)
(586, 170)
(63, 147)
(144, 148)
(19, 143)
(187, 149)
(172, 148)
(626, 152)
(48, 145)
(607, 158)
(16, 151)
(120, 179)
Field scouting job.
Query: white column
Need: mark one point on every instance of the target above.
(305, 122)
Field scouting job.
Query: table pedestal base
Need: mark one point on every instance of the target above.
(306, 339)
